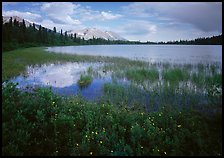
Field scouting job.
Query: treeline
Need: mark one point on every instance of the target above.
(15, 34)
(214, 40)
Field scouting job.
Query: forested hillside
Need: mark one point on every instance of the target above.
(15, 34)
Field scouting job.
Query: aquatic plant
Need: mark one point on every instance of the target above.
(142, 75)
(175, 75)
(145, 117)
(85, 80)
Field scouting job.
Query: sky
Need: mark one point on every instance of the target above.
(139, 21)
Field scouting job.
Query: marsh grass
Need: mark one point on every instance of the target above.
(142, 74)
(85, 80)
(42, 123)
(175, 75)
(15, 62)
(129, 119)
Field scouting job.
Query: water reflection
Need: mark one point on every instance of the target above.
(55, 75)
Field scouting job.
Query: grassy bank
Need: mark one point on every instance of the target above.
(41, 123)
(15, 62)
(141, 118)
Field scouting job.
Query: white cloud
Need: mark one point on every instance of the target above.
(50, 24)
(109, 16)
(137, 29)
(87, 14)
(25, 15)
(61, 12)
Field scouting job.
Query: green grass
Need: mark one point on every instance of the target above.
(85, 80)
(142, 74)
(41, 123)
(175, 75)
(15, 62)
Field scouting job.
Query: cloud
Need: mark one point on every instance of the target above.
(50, 24)
(60, 12)
(138, 27)
(207, 16)
(109, 16)
(87, 14)
(25, 15)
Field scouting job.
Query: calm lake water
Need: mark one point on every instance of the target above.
(153, 53)
(63, 78)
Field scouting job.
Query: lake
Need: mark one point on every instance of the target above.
(113, 82)
(153, 53)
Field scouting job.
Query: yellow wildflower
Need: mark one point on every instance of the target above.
(101, 142)
(178, 126)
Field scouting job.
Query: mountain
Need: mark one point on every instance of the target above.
(20, 20)
(87, 33)
(7, 18)
(90, 33)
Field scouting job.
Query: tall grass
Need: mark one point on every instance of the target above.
(85, 80)
(175, 75)
(41, 123)
(152, 115)
(142, 74)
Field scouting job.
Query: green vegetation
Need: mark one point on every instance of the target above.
(142, 117)
(41, 123)
(15, 62)
(16, 35)
(175, 75)
(85, 80)
(142, 74)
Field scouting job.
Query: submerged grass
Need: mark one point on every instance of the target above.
(142, 74)
(85, 80)
(175, 75)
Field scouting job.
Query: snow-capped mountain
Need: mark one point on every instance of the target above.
(90, 33)
(20, 20)
(7, 18)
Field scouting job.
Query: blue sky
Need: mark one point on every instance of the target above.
(143, 21)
